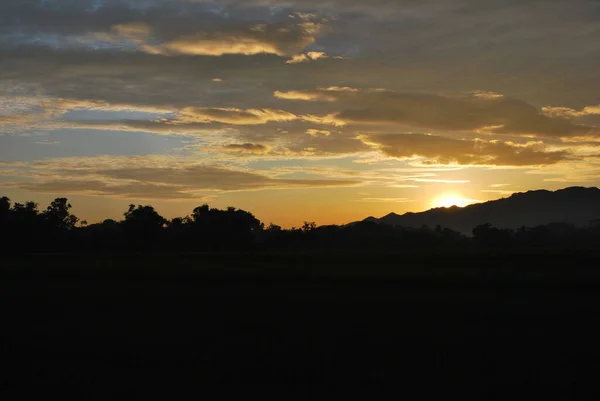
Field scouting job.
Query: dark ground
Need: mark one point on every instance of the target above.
(296, 327)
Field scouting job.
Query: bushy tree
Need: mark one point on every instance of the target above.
(143, 226)
(4, 211)
(4, 206)
(224, 229)
(57, 215)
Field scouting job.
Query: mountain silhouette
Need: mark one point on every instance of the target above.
(575, 205)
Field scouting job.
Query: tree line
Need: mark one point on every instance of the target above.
(26, 228)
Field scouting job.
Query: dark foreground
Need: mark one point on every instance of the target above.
(299, 327)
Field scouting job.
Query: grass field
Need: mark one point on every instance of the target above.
(499, 326)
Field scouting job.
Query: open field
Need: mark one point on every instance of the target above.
(307, 326)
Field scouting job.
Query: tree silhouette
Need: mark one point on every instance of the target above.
(58, 215)
(309, 226)
(4, 206)
(211, 229)
(273, 227)
(27, 212)
(488, 236)
(143, 226)
(200, 212)
(24, 216)
(4, 212)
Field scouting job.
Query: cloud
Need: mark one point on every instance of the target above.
(207, 122)
(61, 106)
(46, 142)
(213, 178)
(299, 95)
(317, 132)
(234, 116)
(99, 188)
(341, 89)
(476, 113)
(159, 127)
(11, 163)
(43, 112)
(323, 145)
(566, 112)
(487, 95)
(203, 45)
(133, 30)
(298, 58)
(282, 38)
(112, 57)
(16, 123)
(331, 119)
(151, 177)
(254, 148)
(158, 29)
(443, 150)
(303, 58)
(501, 46)
(15, 119)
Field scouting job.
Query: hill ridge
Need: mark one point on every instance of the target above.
(577, 205)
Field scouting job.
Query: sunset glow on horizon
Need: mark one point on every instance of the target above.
(449, 200)
(326, 111)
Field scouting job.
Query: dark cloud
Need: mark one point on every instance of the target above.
(442, 150)
(247, 147)
(480, 112)
(544, 52)
(165, 28)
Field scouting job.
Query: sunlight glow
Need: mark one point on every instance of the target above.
(452, 199)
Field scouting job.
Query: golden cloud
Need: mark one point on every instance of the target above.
(282, 38)
(61, 106)
(444, 150)
(302, 58)
(307, 96)
(317, 132)
(566, 112)
(330, 119)
(234, 116)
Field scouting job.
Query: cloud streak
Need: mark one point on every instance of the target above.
(151, 178)
(234, 116)
(443, 150)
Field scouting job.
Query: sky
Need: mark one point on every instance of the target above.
(327, 111)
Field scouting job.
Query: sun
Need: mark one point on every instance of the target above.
(449, 200)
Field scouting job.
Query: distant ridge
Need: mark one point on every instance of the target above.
(574, 205)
